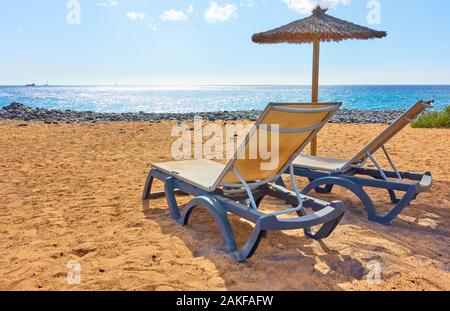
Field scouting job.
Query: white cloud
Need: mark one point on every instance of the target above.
(306, 6)
(216, 13)
(173, 16)
(108, 3)
(136, 16)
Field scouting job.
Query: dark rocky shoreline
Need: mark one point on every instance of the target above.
(21, 112)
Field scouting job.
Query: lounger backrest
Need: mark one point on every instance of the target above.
(390, 132)
(294, 124)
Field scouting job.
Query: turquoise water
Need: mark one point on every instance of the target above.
(215, 98)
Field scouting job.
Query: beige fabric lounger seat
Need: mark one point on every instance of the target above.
(201, 173)
(320, 163)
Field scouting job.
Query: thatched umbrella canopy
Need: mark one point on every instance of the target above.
(313, 29)
(319, 26)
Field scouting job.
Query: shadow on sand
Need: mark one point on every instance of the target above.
(291, 261)
(282, 262)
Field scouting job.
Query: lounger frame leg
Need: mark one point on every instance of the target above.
(324, 231)
(250, 247)
(148, 187)
(409, 196)
(280, 182)
(392, 194)
(219, 214)
(258, 201)
(148, 194)
(169, 188)
(367, 202)
(326, 189)
(393, 197)
(347, 184)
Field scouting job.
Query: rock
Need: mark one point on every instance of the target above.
(18, 111)
(15, 107)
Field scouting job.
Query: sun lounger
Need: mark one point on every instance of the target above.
(324, 173)
(239, 187)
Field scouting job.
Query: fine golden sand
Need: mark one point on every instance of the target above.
(72, 192)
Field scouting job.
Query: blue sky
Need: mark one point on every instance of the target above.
(209, 42)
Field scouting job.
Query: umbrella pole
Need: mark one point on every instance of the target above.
(315, 86)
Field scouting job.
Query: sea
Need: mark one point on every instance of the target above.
(180, 99)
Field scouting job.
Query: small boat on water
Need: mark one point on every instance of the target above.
(30, 85)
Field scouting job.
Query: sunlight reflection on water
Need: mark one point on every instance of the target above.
(215, 98)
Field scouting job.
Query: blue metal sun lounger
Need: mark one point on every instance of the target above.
(324, 173)
(239, 187)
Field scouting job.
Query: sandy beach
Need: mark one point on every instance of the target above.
(73, 192)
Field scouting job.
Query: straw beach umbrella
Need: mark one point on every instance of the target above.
(314, 29)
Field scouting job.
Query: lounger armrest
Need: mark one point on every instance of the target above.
(426, 182)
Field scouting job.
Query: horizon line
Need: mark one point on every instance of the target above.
(201, 84)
